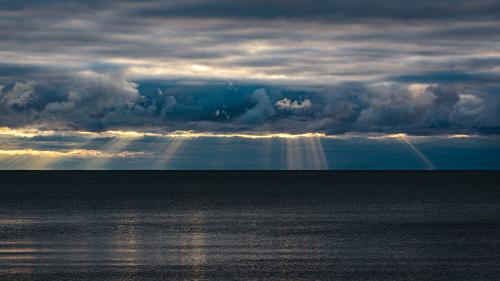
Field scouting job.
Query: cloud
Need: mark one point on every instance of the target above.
(106, 101)
(431, 42)
(467, 109)
(20, 96)
(295, 106)
(96, 93)
(170, 103)
(78, 153)
(331, 10)
(450, 77)
(221, 113)
(330, 66)
(261, 111)
(81, 100)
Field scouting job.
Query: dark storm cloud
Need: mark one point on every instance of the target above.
(75, 101)
(106, 101)
(393, 9)
(330, 66)
(17, 70)
(450, 77)
(378, 9)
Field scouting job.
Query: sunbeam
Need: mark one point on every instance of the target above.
(305, 153)
(316, 154)
(42, 159)
(294, 159)
(25, 161)
(40, 150)
(115, 146)
(418, 154)
(169, 151)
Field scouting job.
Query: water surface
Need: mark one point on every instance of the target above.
(249, 226)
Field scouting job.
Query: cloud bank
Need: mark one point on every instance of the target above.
(428, 67)
(98, 102)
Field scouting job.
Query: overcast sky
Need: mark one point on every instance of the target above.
(386, 66)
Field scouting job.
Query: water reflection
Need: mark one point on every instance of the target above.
(18, 255)
(125, 244)
(193, 245)
(192, 240)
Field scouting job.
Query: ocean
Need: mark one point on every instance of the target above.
(248, 225)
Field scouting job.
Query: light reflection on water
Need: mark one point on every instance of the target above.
(194, 242)
(277, 227)
(193, 245)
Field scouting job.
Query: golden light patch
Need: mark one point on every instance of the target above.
(24, 133)
(29, 133)
(80, 153)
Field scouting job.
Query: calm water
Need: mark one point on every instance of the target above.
(249, 226)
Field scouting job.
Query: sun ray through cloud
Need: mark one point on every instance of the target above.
(169, 152)
(114, 146)
(30, 148)
(305, 153)
(415, 151)
(317, 158)
(294, 159)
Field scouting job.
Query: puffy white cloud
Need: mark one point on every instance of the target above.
(289, 105)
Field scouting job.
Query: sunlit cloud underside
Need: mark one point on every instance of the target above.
(28, 148)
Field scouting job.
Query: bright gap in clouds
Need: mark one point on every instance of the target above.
(292, 81)
(32, 149)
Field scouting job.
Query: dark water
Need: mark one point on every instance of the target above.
(249, 226)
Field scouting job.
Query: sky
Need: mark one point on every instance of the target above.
(297, 80)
